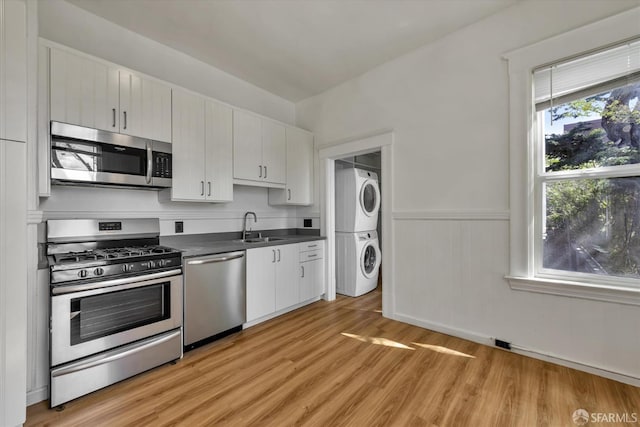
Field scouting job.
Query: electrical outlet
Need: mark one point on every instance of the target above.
(179, 226)
(308, 223)
(503, 344)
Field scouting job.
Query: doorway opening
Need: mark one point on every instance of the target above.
(358, 224)
(359, 152)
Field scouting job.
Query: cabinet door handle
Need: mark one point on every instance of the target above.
(265, 172)
(202, 188)
(278, 255)
(274, 255)
(312, 246)
(113, 110)
(125, 119)
(209, 184)
(289, 190)
(260, 175)
(302, 266)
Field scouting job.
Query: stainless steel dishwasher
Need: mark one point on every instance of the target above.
(214, 297)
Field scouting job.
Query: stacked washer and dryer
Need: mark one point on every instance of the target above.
(357, 249)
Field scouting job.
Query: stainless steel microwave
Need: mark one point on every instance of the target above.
(81, 155)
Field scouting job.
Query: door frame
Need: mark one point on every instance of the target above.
(383, 142)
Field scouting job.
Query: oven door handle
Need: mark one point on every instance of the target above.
(112, 356)
(149, 162)
(60, 290)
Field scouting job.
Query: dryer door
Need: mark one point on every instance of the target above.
(370, 197)
(370, 260)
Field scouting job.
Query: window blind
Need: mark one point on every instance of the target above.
(586, 75)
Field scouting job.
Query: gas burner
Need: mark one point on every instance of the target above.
(120, 249)
(78, 257)
(111, 254)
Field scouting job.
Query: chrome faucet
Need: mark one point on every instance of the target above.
(244, 229)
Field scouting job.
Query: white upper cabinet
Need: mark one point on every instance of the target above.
(188, 151)
(299, 170)
(216, 147)
(145, 107)
(274, 146)
(202, 150)
(94, 94)
(84, 92)
(13, 70)
(219, 151)
(259, 150)
(247, 146)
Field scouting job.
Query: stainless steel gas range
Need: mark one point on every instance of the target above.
(116, 303)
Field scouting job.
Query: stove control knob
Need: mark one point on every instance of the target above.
(82, 273)
(151, 264)
(126, 268)
(98, 271)
(162, 262)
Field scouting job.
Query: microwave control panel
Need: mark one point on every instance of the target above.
(161, 165)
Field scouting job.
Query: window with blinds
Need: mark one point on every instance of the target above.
(587, 165)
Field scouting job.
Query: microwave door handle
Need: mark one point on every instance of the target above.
(149, 162)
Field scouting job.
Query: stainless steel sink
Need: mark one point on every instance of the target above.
(260, 239)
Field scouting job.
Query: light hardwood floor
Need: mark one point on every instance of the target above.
(342, 363)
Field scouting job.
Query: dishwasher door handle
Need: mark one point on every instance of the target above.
(214, 260)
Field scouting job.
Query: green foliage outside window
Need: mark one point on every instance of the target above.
(593, 225)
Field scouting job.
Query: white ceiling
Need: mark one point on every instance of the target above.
(294, 48)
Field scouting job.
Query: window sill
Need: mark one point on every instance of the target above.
(608, 293)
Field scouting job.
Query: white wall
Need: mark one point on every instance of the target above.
(447, 104)
(72, 26)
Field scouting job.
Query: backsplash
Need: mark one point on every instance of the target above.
(96, 202)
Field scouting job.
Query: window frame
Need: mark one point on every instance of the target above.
(526, 160)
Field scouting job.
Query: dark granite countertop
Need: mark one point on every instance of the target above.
(193, 245)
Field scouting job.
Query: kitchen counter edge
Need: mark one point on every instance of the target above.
(198, 249)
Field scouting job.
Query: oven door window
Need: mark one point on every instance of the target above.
(97, 316)
(96, 157)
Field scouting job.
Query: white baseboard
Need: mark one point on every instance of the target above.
(486, 340)
(37, 395)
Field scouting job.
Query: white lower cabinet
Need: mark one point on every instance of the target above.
(275, 279)
(286, 276)
(261, 282)
(272, 280)
(311, 270)
(311, 284)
